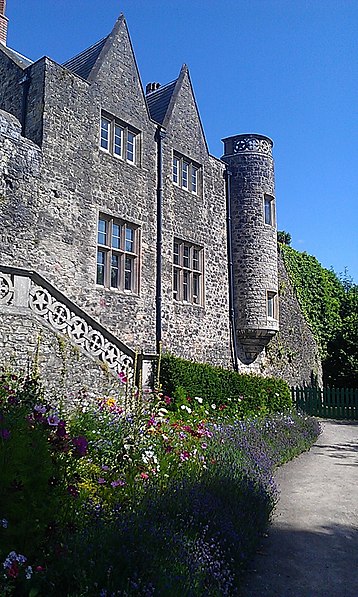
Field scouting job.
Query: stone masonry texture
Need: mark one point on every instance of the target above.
(55, 180)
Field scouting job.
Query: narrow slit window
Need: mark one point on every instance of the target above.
(269, 210)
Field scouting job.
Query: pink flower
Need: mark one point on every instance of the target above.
(144, 476)
(184, 456)
(167, 399)
(122, 377)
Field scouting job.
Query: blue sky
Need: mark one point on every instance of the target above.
(283, 68)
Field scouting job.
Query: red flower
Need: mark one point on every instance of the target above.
(13, 570)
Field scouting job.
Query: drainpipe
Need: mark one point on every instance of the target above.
(230, 271)
(25, 82)
(160, 134)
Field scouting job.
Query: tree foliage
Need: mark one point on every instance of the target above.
(330, 306)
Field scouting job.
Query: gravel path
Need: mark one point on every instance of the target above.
(312, 546)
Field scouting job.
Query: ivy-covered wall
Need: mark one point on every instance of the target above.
(293, 353)
(319, 293)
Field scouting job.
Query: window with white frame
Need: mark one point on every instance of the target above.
(119, 139)
(117, 254)
(186, 174)
(187, 272)
(272, 308)
(269, 210)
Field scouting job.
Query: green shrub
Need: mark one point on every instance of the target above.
(193, 386)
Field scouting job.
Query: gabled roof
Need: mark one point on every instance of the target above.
(19, 59)
(83, 63)
(159, 100)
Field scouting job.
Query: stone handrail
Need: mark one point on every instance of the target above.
(21, 288)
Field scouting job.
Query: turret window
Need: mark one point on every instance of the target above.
(187, 272)
(119, 139)
(186, 174)
(272, 308)
(269, 210)
(117, 254)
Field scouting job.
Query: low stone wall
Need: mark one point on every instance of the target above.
(67, 371)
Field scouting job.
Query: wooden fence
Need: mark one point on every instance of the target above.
(330, 403)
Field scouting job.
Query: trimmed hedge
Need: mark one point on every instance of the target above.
(244, 394)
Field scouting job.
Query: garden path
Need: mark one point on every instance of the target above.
(312, 545)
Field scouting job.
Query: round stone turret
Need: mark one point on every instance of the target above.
(254, 240)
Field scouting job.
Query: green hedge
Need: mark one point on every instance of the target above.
(243, 395)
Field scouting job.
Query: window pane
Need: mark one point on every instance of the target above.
(186, 253)
(175, 284)
(271, 299)
(118, 140)
(114, 271)
(185, 175)
(130, 146)
(176, 170)
(101, 265)
(194, 179)
(268, 210)
(105, 128)
(129, 240)
(128, 273)
(102, 231)
(176, 254)
(195, 288)
(196, 259)
(185, 286)
(116, 236)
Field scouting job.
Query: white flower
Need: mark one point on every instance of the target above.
(28, 572)
(200, 400)
(213, 406)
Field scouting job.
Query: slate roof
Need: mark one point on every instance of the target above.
(83, 63)
(19, 59)
(158, 101)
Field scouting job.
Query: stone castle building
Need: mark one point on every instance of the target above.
(119, 231)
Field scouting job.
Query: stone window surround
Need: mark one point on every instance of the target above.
(118, 252)
(188, 273)
(272, 305)
(269, 208)
(186, 173)
(120, 139)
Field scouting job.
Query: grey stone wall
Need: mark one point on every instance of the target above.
(65, 371)
(10, 89)
(199, 332)
(20, 167)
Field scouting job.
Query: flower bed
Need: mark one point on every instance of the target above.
(110, 502)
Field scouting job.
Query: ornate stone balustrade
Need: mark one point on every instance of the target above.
(24, 289)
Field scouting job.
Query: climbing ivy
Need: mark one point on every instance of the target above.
(319, 292)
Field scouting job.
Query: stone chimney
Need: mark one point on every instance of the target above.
(149, 87)
(3, 22)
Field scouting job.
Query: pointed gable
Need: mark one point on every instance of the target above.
(116, 78)
(182, 116)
